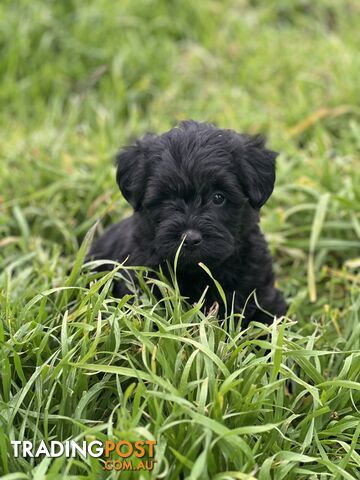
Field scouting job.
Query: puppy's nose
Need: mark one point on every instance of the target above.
(192, 238)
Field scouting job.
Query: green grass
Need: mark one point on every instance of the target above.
(78, 79)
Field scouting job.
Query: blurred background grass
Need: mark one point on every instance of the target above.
(79, 79)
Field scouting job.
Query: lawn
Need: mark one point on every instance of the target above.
(79, 79)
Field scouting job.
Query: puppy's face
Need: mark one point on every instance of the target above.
(198, 185)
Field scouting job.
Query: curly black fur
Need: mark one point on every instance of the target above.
(206, 185)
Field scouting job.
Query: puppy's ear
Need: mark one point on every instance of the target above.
(257, 168)
(132, 171)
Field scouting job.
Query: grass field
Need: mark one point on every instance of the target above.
(78, 79)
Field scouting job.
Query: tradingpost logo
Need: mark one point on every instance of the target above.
(117, 455)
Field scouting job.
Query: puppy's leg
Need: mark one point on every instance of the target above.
(273, 302)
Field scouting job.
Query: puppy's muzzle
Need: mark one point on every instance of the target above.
(192, 238)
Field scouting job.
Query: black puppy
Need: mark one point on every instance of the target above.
(205, 186)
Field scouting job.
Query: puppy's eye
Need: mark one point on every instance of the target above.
(218, 199)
